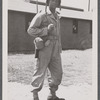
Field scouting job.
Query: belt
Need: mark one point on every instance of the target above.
(53, 37)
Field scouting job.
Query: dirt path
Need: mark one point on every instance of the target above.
(17, 91)
(76, 83)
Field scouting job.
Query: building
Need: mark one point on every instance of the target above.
(76, 27)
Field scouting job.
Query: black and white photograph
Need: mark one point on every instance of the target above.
(50, 50)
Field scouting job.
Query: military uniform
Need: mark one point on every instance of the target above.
(49, 56)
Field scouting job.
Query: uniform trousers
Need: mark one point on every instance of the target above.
(49, 58)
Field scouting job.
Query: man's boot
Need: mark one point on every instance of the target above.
(52, 96)
(35, 96)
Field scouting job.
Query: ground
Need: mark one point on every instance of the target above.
(76, 83)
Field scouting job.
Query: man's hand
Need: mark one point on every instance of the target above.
(50, 28)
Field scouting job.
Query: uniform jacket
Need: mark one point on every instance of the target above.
(39, 26)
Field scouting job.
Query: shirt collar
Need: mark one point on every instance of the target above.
(51, 15)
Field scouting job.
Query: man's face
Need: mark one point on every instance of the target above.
(53, 4)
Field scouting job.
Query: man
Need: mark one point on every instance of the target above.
(47, 25)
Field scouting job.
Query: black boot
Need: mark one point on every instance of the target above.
(35, 96)
(52, 94)
(54, 98)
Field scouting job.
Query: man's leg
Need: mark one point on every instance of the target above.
(55, 78)
(40, 69)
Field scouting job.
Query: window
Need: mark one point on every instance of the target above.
(75, 26)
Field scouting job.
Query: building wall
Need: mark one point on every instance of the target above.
(20, 41)
(80, 40)
(85, 34)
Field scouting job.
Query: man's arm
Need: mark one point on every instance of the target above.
(34, 28)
